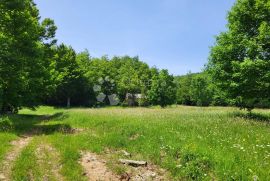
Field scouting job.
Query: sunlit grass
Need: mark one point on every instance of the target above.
(190, 142)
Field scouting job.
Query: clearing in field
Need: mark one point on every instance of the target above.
(177, 143)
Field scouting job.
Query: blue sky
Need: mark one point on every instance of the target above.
(171, 34)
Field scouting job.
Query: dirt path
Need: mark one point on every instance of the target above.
(95, 168)
(149, 173)
(48, 160)
(6, 167)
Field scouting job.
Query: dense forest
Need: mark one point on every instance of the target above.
(198, 89)
(36, 70)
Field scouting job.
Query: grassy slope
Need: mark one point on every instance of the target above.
(191, 142)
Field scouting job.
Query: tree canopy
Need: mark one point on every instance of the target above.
(22, 62)
(35, 70)
(240, 60)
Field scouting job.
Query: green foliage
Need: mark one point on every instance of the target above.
(34, 70)
(200, 91)
(22, 66)
(5, 124)
(196, 89)
(239, 62)
(70, 83)
(132, 75)
(183, 89)
(195, 166)
(163, 89)
(122, 76)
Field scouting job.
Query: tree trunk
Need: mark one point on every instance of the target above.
(68, 102)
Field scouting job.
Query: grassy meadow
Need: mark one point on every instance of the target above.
(191, 143)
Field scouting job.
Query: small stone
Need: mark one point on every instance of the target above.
(126, 153)
(153, 174)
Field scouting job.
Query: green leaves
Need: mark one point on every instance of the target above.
(69, 79)
(197, 89)
(239, 62)
(23, 65)
(48, 31)
(163, 89)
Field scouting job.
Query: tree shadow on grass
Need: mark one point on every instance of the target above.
(253, 116)
(31, 125)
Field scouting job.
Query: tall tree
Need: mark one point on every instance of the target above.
(21, 64)
(132, 76)
(240, 60)
(69, 79)
(163, 89)
(183, 89)
(200, 90)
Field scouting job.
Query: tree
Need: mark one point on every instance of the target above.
(69, 79)
(163, 89)
(183, 89)
(119, 76)
(200, 92)
(240, 60)
(132, 76)
(22, 66)
(196, 89)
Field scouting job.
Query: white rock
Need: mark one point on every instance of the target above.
(126, 153)
(153, 174)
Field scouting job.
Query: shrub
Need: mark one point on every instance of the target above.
(6, 124)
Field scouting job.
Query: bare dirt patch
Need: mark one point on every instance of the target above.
(95, 168)
(6, 167)
(147, 173)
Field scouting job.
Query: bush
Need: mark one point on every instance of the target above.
(263, 103)
(195, 166)
(6, 124)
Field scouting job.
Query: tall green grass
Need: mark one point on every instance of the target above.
(192, 143)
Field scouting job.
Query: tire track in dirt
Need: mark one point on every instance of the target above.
(48, 160)
(12, 155)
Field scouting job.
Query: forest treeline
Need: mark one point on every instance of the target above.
(81, 80)
(36, 70)
(198, 89)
